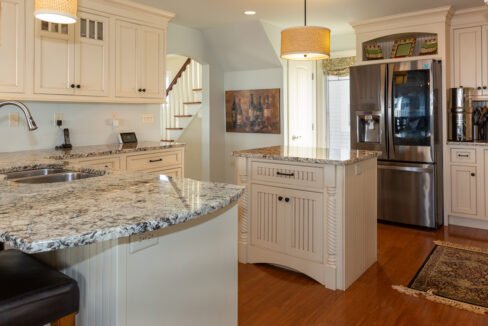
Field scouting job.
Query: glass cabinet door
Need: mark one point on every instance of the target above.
(411, 108)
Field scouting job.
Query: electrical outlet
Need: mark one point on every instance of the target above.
(148, 118)
(57, 117)
(13, 119)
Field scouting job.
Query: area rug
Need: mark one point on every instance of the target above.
(455, 275)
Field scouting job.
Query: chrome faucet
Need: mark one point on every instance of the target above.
(28, 116)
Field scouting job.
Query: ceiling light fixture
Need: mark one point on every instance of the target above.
(56, 11)
(252, 12)
(305, 43)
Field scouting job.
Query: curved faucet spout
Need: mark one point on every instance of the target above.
(28, 116)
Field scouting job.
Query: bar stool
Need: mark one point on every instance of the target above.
(32, 293)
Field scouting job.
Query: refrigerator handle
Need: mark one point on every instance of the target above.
(389, 111)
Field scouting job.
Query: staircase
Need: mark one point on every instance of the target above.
(183, 101)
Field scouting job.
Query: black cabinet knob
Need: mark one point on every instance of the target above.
(78, 86)
(479, 88)
(72, 85)
(139, 90)
(143, 90)
(473, 174)
(287, 200)
(484, 87)
(280, 198)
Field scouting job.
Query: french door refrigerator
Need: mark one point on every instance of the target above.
(396, 109)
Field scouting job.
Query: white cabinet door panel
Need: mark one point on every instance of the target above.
(127, 60)
(468, 57)
(463, 189)
(92, 55)
(151, 66)
(12, 46)
(54, 55)
(485, 60)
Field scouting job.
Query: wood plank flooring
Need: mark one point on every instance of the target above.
(273, 296)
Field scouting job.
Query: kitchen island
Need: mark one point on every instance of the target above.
(313, 210)
(145, 248)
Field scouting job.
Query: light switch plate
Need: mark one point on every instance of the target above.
(148, 118)
(13, 119)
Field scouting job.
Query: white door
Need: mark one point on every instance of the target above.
(304, 224)
(463, 189)
(151, 63)
(126, 60)
(301, 103)
(12, 46)
(485, 60)
(54, 58)
(468, 57)
(91, 55)
(268, 217)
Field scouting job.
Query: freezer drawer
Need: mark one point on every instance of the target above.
(406, 193)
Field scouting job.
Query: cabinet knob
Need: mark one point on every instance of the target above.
(72, 85)
(479, 88)
(473, 174)
(139, 90)
(143, 90)
(78, 86)
(287, 200)
(280, 198)
(485, 87)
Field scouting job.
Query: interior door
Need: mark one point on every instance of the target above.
(91, 55)
(302, 106)
(151, 45)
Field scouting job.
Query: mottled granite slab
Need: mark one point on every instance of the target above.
(313, 155)
(477, 143)
(31, 159)
(47, 217)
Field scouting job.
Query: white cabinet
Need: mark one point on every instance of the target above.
(72, 59)
(139, 68)
(12, 46)
(471, 58)
(464, 189)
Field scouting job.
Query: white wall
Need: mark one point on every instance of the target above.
(242, 80)
(89, 124)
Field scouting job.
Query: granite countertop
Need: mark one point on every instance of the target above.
(476, 143)
(46, 217)
(309, 155)
(25, 159)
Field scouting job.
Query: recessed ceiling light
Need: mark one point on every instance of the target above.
(249, 12)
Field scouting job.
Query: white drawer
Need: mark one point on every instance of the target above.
(111, 162)
(297, 175)
(463, 155)
(153, 161)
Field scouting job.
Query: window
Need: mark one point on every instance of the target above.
(338, 115)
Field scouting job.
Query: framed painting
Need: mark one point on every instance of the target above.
(253, 111)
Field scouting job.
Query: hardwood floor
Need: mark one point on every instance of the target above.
(273, 296)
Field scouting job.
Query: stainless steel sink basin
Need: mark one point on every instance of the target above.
(39, 176)
(32, 173)
(59, 177)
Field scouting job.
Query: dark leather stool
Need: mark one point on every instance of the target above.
(32, 293)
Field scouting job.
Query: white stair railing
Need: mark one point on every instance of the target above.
(183, 92)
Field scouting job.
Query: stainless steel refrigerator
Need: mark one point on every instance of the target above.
(397, 109)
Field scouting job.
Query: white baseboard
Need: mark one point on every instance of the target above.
(468, 222)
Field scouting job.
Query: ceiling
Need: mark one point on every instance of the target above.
(335, 14)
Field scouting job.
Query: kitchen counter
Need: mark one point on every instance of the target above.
(476, 143)
(25, 159)
(313, 155)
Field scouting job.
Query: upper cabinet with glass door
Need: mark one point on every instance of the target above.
(72, 59)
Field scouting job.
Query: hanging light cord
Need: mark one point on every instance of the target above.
(306, 12)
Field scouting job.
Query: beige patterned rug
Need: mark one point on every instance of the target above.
(455, 275)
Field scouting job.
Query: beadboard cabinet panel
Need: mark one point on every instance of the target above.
(12, 46)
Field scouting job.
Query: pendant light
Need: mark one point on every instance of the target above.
(305, 42)
(56, 11)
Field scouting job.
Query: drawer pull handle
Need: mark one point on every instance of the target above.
(280, 198)
(463, 155)
(285, 174)
(154, 161)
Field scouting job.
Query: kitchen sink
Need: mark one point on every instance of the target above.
(39, 176)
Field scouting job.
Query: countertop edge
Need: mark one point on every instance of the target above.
(119, 232)
(373, 155)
